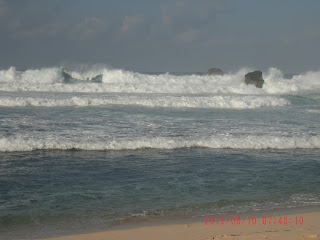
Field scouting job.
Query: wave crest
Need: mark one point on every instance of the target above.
(217, 101)
(216, 142)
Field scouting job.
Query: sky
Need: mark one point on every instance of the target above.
(162, 35)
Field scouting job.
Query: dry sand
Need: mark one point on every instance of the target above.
(310, 229)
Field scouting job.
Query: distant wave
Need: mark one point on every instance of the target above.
(217, 101)
(12, 144)
(117, 80)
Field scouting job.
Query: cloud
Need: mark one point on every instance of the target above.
(186, 21)
(130, 25)
(90, 28)
(3, 7)
(21, 21)
(188, 36)
(46, 30)
(16, 27)
(38, 27)
(188, 14)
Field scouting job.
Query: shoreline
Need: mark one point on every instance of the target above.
(243, 227)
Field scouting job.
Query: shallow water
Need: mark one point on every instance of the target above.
(57, 192)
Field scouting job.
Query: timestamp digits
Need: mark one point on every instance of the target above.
(268, 220)
(252, 220)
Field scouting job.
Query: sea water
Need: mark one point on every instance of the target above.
(89, 156)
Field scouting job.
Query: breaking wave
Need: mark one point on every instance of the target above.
(220, 101)
(12, 144)
(117, 80)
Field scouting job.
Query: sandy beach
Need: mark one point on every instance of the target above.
(274, 228)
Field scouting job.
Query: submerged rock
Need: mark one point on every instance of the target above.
(211, 71)
(254, 78)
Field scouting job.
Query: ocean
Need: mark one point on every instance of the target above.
(81, 156)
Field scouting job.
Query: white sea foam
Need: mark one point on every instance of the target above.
(216, 101)
(313, 110)
(276, 83)
(117, 80)
(217, 142)
(33, 76)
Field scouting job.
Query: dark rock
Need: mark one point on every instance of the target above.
(201, 73)
(254, 78)
(211, 71)
(67, 77)
(215, 71)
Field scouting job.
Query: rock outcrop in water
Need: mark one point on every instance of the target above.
(211, 71)
(254, 78)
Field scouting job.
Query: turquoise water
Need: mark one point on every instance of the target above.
(88, 156)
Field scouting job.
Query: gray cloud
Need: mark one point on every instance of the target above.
(22, 21)
(89, 28)
(45, 30)
(185, 21)
(3, 7)
(130, 26)
(188, 36)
